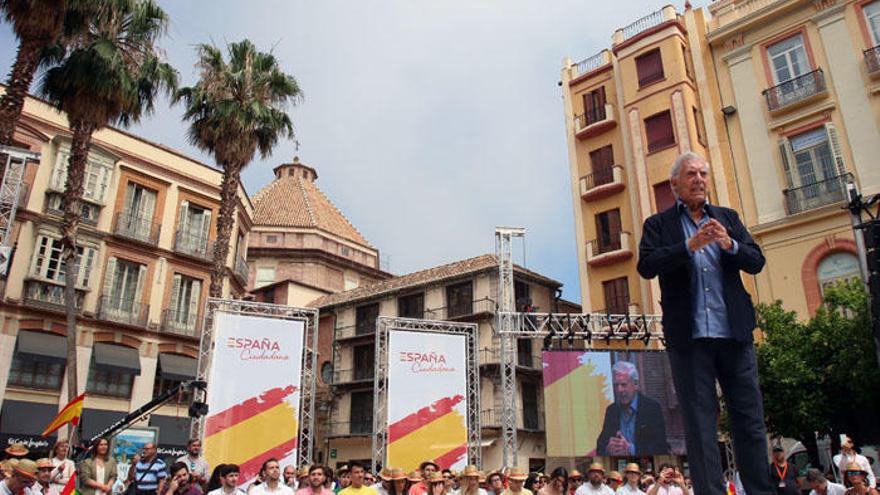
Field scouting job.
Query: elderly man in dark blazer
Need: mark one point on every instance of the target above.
(699, 251)
(634, 424)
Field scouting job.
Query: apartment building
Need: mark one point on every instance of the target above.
(799, 85)
(146, 241)
(461, 291)
(630, 109)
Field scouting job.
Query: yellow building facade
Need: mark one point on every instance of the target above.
(799, 84)
(781, 97)
(146, 238)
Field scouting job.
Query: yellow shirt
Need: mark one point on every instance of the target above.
(363, 490)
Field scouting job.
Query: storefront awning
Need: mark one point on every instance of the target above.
(41, 346)
(175, 367)
(26, 418)
(117, 359)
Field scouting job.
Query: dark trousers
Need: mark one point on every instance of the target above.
(732, 364)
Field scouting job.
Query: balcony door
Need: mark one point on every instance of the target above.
(193, 227)
(608, 230)
(602, 164)
(361, 415)
(788, 59)
(137, 215)
(184, 304)
(123, 287)
(594, 105)
(814, 163)
(364, 361)
(872, 19)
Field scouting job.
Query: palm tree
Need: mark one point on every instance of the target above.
(111, 74)
(37, 24)
(236, 108)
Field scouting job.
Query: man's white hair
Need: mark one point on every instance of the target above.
(627, 368)
(682, 159)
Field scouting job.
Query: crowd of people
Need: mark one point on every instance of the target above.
(149, 474)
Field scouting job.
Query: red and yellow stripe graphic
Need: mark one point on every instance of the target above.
(252, 431)
(70, 414)
(579, 394)
(437, 432)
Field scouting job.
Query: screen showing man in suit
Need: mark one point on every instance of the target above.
(611, 403)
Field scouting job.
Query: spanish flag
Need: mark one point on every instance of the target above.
(436, 432)
(70, 486)
(70, 414)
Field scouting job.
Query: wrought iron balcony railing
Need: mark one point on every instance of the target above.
(123, 310)
(352, 376)
(528, 419)
(357, 330)
(817, 194)
(49, 295)
(599, 177)
(355, 427)
(872, 60)
(180, 322)
(194, 244)
(463, 310)
(132, 225)
(795, 90)
(241, 269)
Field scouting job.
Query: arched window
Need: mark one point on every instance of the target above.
(835, 268)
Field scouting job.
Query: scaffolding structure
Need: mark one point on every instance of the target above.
(309, 360)
(15, 162)
(507, 334)
(385, 324)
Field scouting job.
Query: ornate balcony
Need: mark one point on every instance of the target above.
(361, 375)
(816, 195)
(596, 121)
(796, 92)
(366, 329)
(602, 252)
(194, 244)
(131, 225)
(49, 295)
(179, 322)
(463, 311)
(526, 419)
(602, 183)
(872, 61)
(123, 310)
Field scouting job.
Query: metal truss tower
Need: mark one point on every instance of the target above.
(10, 192)
(506, 333)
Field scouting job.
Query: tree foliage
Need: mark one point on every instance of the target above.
(820, 375)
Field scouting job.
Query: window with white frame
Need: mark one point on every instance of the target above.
(813, 162)
(788, 59)
(836, 268)
(193, 228)
(814, 169)
(265, 276)
(48, 263)
(96, 181)
(123, 286)
(872, 19)
(183, 308)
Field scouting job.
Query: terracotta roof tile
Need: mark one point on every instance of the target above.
(428, 276)
(291, 201)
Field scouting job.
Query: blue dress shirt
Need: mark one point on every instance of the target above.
(710, 312)
(628, 424)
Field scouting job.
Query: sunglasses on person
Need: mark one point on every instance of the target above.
(855, 473)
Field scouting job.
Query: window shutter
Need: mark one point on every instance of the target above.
(836, 151)
(614, 227)
(588, 106)
(194, 298)
(175, 297)
(109, 276)
(206, 229)
(59, 173)
(129, 207)
(785, 153)
(142, 278)
(40, 256)
(149, 206)
(600, 100)
(183, 219)
(87, 260)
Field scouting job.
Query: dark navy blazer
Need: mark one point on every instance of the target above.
(663, 252)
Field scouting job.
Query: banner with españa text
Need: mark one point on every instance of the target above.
(253, 392)
(427, 399)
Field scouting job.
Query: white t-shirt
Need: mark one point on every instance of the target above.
(625, 489)
(831, 489)
(841, 461)
(219, 491)
(588, 489)
(263, 489)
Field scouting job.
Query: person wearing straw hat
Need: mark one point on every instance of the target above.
(43, 486)
(426, 469)
(436, 484)
(633, 475)
(16, 451)
(398, 482)
(614, 480)
(383, 484)
(596, 484)
(24, 475)
(857, 477)
(470, 481)
(848, 455)
(516, 477)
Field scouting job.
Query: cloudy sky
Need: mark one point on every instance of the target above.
(429, 121)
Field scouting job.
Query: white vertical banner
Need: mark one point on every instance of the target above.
(427, 399)
(253, 392)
